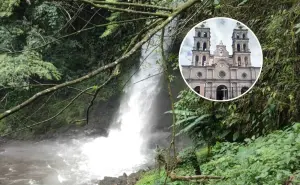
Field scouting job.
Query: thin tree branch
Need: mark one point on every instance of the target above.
(148, 77)
(82, 30)
(29, 85)
(116, 70)
(134, 4)
(90, 19)
(57, 114)
(97, 71)
(80, 90)
(28, 117)
(4, 97)
(95, 95)
(166, 74)
(135, 39)
(76, 121)
(174, 177)
(126, 10)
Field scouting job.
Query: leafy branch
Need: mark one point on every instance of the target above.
(139, 44)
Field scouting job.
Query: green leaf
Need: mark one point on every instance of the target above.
(243, 2)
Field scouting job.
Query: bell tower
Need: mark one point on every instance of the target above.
(240, 46)
(201, 46)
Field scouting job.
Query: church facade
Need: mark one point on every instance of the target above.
(218, 75)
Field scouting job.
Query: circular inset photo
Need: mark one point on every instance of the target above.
(220, 59)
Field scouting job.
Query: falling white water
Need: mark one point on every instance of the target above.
(78, 161)
(122, 151)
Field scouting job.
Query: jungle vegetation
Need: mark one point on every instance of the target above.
(54, 55)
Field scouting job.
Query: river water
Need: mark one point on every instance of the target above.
(84, 160)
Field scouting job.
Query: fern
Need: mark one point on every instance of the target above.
(7, 7)
(112, 28)
(16, 71)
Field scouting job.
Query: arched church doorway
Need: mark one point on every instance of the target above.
(244, 89)
(197, 89)
(222, 92)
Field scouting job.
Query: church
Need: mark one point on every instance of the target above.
(218, 75)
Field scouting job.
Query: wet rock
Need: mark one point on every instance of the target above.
(122, 180)
(113, 181)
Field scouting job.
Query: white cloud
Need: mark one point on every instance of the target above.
(221, 30)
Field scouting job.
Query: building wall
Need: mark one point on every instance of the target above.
(220, 68)
(210, 79)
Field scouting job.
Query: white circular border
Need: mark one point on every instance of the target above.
(262, 59)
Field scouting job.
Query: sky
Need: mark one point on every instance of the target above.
(221, 30)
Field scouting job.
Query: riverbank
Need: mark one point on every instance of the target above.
(268, 160)
(125, 179)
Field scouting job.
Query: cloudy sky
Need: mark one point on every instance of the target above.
(221, 30)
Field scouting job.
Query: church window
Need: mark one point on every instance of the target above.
(205, 34)
(222, 74)
(199, 34)
(204, 46)
(244, 36)
(196, 58)
(238, 47)
(239, 61)
(244, 89)
(244, 75)
(197, 89)
(246, 61)
(244, 47)
(203, 60)
(198, 45)
(199, 74)
(237, 36)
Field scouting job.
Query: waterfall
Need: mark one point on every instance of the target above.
(78, 161)
(122, 150)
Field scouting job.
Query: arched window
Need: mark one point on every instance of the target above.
(197, 58)
(244, 47)
(246, 61)
(204, 46)
(203, 60)
(198, 45)
(244, 89)
(197, 89)
(237, 36)
(244, 36)
(238, 47)
(204, 34)
(199, 34)
(239, 61)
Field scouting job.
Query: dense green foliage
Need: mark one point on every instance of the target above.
(49, 42)
(272, 104)
(7, 6)
(269, 160)
(265, 160)
(274, 101)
